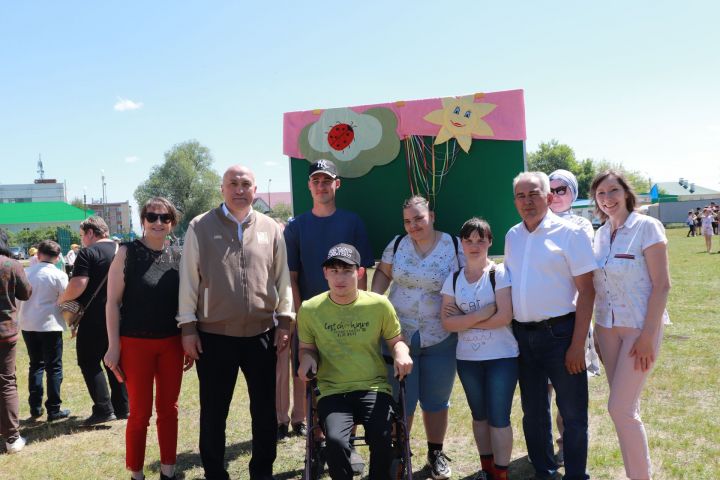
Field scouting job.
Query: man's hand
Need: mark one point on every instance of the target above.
(282, 339)
(403, 365)
(192, 348)
(307, 364)
(575, 358)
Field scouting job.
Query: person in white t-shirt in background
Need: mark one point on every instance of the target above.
(42, 328)
(477, 304)
(551, 264)
(70, 258)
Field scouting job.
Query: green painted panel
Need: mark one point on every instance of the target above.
(478, 184)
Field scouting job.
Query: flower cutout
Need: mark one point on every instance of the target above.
(461, 118)
(344, 133)
(359, 141)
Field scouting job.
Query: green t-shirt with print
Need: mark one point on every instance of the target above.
(348, 340)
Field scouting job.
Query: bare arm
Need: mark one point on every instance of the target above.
(382, 278)
(493, 315)
(115, 289)
(309, 359)
(575, 356)
(76, 287)
(402, 364)
(643, 350)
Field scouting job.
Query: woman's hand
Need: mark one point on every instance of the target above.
(112, 361)
(452, 310)
(644, 352)
(112, 356)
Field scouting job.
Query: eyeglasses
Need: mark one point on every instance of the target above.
(152, 217)
(559, 190)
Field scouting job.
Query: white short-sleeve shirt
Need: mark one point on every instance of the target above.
(622, 282)
(40, 313)
(415, 290)
(478, 344)
(542, 264)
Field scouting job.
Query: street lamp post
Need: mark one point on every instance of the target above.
(85, 201)
(269, 198)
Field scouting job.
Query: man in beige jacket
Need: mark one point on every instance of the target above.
(233, 280)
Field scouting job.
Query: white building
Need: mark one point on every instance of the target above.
(41, 191)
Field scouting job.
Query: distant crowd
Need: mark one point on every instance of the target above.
(704, 221)
(283, 304)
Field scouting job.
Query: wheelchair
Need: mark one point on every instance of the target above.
(401, 468)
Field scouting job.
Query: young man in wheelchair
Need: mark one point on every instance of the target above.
(340, 333)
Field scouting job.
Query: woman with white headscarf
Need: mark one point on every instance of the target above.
(564, 188)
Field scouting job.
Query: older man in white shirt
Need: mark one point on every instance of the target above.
(550, 262)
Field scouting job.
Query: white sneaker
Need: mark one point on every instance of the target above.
(16, 446)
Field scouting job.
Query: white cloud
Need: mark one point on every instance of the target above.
(271, 164)
(124, 104)
(131, 159)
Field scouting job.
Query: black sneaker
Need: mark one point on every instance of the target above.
(59, 415)
(357, 464)
(96, 419)
(299, 429)
(35, 414)
(282, 431)
(482, 475)
(438, 464)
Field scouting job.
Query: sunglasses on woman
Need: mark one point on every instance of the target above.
(152, 217)
(559, 190)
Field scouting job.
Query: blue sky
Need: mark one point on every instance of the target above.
(631, 82)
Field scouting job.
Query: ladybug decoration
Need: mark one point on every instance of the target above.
(340, 136)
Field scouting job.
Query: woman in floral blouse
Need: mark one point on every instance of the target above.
(417, 264)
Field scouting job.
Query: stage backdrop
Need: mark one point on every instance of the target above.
(461, 153)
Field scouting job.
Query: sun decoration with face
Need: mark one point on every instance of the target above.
(461, 118)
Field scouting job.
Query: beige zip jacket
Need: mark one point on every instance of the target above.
(232, 287)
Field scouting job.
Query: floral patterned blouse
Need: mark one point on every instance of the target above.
(415, 290)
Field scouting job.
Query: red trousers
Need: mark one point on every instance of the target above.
(146, 361)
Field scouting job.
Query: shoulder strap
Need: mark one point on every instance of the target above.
(455, 277)
(397, 243)
(492, 277)
(455, 244)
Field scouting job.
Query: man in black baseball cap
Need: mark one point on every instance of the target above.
(308, 238)
(340, 331)
(344, 253)
(323, 166)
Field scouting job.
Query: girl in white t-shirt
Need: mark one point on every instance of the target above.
(477, 304)
(707, 229)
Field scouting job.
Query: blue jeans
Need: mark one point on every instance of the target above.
(432, 377)
(542, 357)
(489, 388)
(45, 350)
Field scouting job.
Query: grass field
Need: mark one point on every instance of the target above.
(681, 408)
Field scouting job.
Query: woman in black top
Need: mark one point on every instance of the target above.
(144, 341)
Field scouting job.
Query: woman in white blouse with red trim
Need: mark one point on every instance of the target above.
(631, 284)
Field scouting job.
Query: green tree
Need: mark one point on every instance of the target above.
(551, 156)
(637, 180)
(585, 174)
(281, 211)
(187, 179)
(78, 203)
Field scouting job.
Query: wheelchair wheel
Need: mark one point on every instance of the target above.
(397, 469)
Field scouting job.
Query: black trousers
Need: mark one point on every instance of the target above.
(45, 350)
(217, 371)
(92, 343)
(339, 413)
